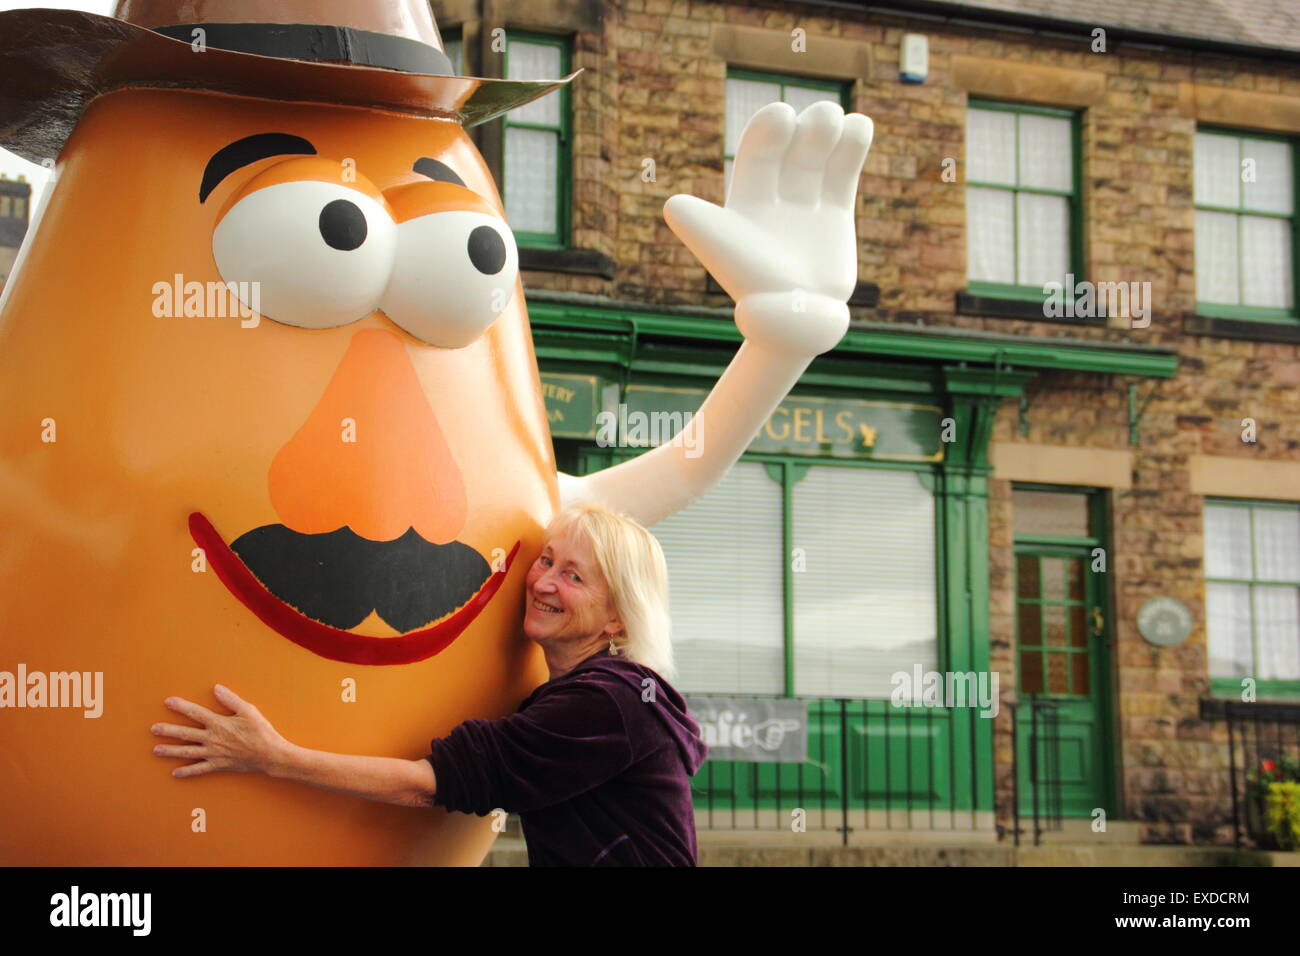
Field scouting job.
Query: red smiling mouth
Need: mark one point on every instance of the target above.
(332, 642)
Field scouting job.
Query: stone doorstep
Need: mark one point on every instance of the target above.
(1150, 856)
(1079, 832)
(1074, 845)
(858, 837)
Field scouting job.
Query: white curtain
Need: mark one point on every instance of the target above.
(1262, 545)
(532, 186)
(990, 146)
(1266, 261)
(532, 156)
(1017, 238)
(1244, 259)
(1270, 188)
(1046, 152)
(744, 99)
(1217, 278)
(727, 593)
(1277, 543)
(1217, 170)
(990, 235)
(535, 61)
(865, 604)
(1227, 541)
(1227, 608)
(1043, 239)
(1277, 631)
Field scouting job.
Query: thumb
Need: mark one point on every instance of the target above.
(702, 226)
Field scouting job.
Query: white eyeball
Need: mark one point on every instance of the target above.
(455, 272)
(320, 254)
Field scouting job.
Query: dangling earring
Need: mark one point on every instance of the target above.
(613, 648)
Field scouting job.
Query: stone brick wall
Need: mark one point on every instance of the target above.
(655, 90)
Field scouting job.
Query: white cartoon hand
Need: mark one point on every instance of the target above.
(784, 246)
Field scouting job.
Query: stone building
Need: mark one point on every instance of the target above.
(990, 474)
(15, 198)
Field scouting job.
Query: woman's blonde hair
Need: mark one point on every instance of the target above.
(633, 564)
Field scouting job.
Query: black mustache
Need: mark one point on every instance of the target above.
(339, 577)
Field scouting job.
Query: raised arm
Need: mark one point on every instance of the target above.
(784, 247)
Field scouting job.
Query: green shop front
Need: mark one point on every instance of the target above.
(830, 597)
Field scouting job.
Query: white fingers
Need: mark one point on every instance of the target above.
(844, 167)
(759, 156)
(804, 168)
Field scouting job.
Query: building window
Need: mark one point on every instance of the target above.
(20, 208)
(803, 579)
(453, 45)
(1023, 213)
(1252, 592)
(6, 207)
(536, 165)
(748, 92)
(1245, 226)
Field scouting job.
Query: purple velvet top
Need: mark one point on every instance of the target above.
(597, 763)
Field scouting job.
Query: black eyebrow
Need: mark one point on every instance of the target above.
(437, 171)
(249, 150)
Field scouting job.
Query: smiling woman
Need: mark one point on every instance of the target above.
(596, 761)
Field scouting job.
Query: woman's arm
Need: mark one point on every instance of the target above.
(246, 742)
(408, 783)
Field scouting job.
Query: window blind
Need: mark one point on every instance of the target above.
(724, 556)
(865, 605)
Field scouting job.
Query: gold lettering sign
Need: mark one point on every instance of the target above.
(817, 426)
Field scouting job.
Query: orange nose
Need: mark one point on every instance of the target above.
(371, 455)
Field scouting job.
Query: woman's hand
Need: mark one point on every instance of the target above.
(245, 742)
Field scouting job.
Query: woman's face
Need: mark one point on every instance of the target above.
(567, 597)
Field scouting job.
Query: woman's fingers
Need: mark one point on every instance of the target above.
(179, 731)
(190, 709)
(231, 699)
(175, 750)
(195, 769)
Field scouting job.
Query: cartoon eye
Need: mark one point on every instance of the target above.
(454, 273)
(318, 255)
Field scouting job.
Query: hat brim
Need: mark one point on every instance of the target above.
(54, 62)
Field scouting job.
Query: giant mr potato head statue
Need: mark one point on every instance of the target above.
(347, 478)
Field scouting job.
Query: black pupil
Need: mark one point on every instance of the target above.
(342, 225)
(487, 250)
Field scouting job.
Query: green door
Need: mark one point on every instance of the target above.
(1062, 657)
